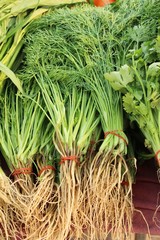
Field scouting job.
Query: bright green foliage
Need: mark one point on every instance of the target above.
(119, 80)
(72, 44)
(71, 112)
(12, 31)
(141, 90)
(15, 19)
(21, 126)
(85, 42)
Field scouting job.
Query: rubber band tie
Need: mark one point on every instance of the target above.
(114, 132)
(19, 171)
(48, 167)
(125, 183)
(69, 158)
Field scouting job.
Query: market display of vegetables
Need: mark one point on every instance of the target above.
(75, 77)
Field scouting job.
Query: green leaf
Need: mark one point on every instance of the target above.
(133, 106)
(154, 69)
(127, 74)
(157, 45)
(138, 94)
(156, 103)
(129, 103)
(119, 79)
(10, 74)
(137, 110)
(142, 109)
(115, 80)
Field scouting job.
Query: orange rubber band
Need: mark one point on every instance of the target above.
(48, 167)
(19, 171)
(116, 134)
(157, 158)
(69, 158)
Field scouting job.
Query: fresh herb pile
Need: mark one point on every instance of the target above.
(15, 19)
(138, 80)
(87, 73)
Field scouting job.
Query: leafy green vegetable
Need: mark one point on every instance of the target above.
(73, 43)
(15, 19)
(11, 75)
(67, 53)
(141, 98)
(20, 132)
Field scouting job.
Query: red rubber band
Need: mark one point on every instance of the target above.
(19, 171)
(157, 158)
(125, 183)
(92, 142)
(116, 134)
(48, 167)
(69, 158)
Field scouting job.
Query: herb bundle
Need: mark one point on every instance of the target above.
(139, 82)
(73, 47)
(85, 65)
(72, 114)
(20, 134)
(80, 45)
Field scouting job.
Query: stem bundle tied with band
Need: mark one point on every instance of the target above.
(87, 75)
